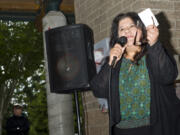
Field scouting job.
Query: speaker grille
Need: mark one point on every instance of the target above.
(70, 58)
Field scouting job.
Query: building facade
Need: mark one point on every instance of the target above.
(98, 14)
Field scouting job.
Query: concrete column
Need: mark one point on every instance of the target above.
(60, 109)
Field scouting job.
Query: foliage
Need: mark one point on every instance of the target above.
(37, 107)
(20, 56)
(38, 115)
(22, 73)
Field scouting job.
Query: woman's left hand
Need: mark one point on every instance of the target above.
(152, 34)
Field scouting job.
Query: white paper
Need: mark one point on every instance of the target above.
(148, 17)
(101, 51)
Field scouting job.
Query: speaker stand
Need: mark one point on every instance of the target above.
(77, 112)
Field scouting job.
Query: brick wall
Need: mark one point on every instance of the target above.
(98, 14)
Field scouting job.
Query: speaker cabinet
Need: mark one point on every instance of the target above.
(70, 58)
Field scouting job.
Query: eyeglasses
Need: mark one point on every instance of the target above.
(129, 28)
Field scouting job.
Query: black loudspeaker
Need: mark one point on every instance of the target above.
(70, 57)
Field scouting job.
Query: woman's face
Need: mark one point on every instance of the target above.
(127, 28)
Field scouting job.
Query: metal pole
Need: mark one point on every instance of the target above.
(77, 112)
(110, 102)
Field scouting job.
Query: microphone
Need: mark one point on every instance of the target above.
(122, 41)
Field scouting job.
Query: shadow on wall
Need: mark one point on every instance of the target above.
(165, 34)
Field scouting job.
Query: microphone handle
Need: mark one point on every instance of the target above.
(114, 60)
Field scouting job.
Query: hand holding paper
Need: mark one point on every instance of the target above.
(151, 24)
(148, 17)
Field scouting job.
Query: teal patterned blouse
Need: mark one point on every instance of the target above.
(134, 90)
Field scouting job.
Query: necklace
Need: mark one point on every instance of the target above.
(129, 58)
(130, 67)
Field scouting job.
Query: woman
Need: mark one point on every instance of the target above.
(143, 98)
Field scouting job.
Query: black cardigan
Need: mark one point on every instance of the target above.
(164, 107)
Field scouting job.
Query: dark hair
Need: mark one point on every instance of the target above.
(114, 32)
(17, 107)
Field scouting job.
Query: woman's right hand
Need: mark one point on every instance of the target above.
(117, 51)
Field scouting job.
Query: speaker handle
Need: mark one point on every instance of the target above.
(89, 51)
